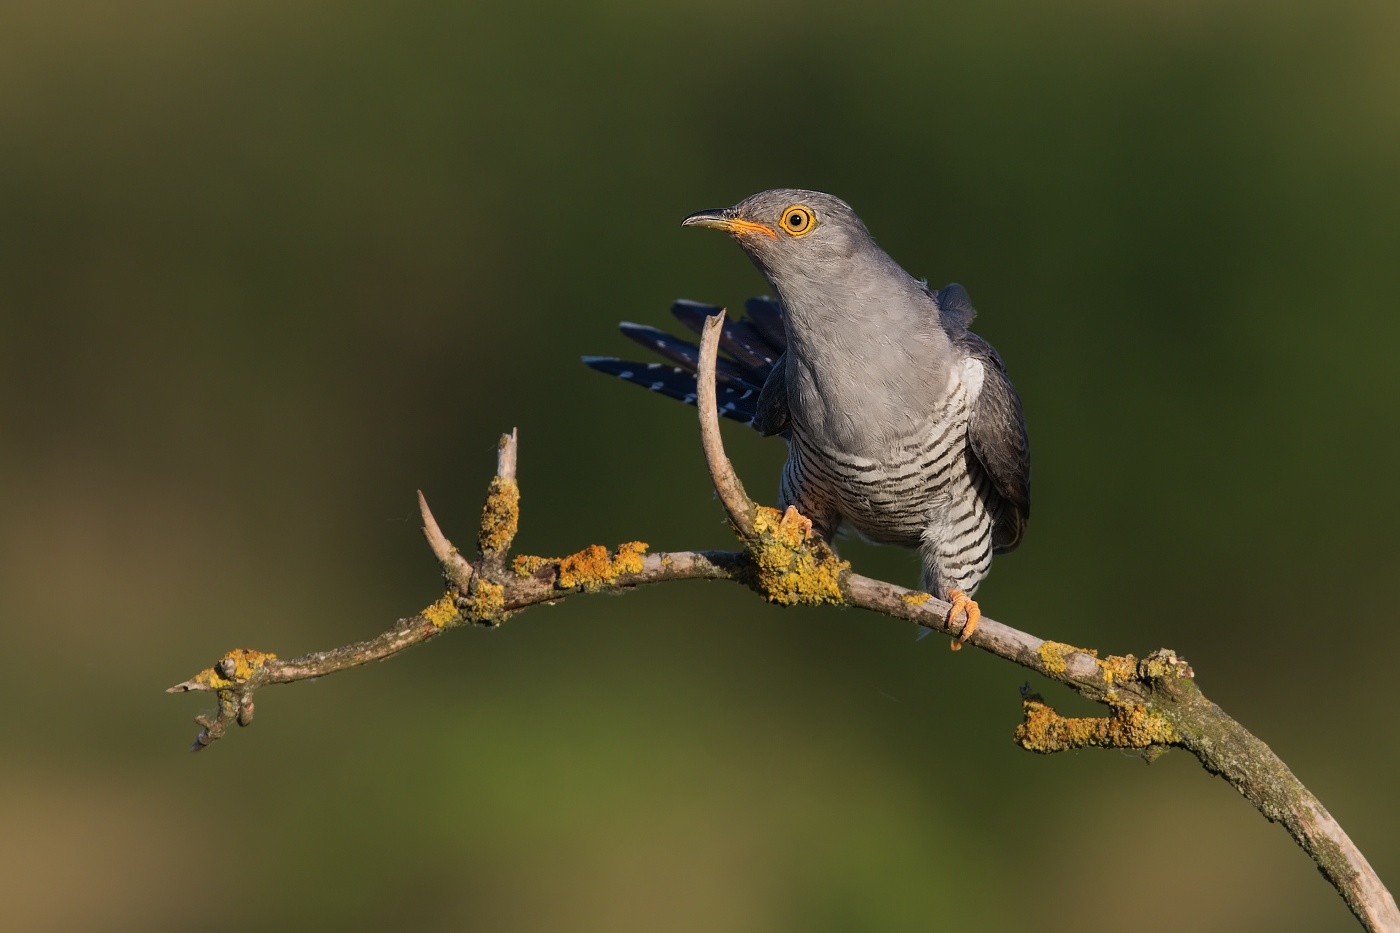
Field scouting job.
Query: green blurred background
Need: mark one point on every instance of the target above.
(265, 269)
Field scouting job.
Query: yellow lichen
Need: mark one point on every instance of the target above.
(790, 568)
(1055, 655)
(1135, 726)
(593, 567)
(1117, 668)
(1044, 730)
(1129, 726)
(235, 667)
(500, 516)
(590, 569)
(629, 556)
(916, 599)
(486, 602)
(1162, 664)
(444, 612)
(526, 565)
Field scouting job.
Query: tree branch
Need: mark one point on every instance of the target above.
(737, 504)
(1152, 703)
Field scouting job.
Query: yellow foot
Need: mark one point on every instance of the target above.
(790, 514)
(963, 605)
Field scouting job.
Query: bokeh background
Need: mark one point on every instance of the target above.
(266, 269)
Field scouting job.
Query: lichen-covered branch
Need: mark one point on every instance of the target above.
(1152, 703)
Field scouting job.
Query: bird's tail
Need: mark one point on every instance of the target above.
(750, 346)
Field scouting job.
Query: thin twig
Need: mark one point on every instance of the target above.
(506, 455)
(737, 505)
(454, 566)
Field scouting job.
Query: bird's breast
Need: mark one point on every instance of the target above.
(888, 477)
(870, 411)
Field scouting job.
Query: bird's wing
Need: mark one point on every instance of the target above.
(996, 431)
(772, 415)
(955, 309)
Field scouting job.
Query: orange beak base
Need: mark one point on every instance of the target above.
(734, 226)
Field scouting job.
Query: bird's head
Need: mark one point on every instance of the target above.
(790, 232)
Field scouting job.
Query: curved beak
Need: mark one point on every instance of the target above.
(726, 220)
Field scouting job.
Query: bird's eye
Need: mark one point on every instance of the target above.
(798, 220)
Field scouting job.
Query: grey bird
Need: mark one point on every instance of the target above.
(901, 423)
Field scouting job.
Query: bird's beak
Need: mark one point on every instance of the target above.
(726, 221)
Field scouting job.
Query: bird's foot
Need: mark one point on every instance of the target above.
(963, 605)
(790, 515)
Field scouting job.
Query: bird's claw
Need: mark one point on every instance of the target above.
(790, 515)
(964, 605)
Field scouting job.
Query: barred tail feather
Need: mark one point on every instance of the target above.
(739, 337)
(684, 354)
(736, 401)
(753, 345)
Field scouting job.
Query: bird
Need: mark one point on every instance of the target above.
(902, 425)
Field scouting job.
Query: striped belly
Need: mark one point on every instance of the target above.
(927, 492)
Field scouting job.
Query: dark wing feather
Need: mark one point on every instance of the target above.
(767, 316)
(772, 415)
(754, 347)
(956, 310)
(997, 434)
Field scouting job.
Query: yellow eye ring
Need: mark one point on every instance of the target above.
(798, 221)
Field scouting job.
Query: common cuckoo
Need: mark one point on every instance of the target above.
(901, 423)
